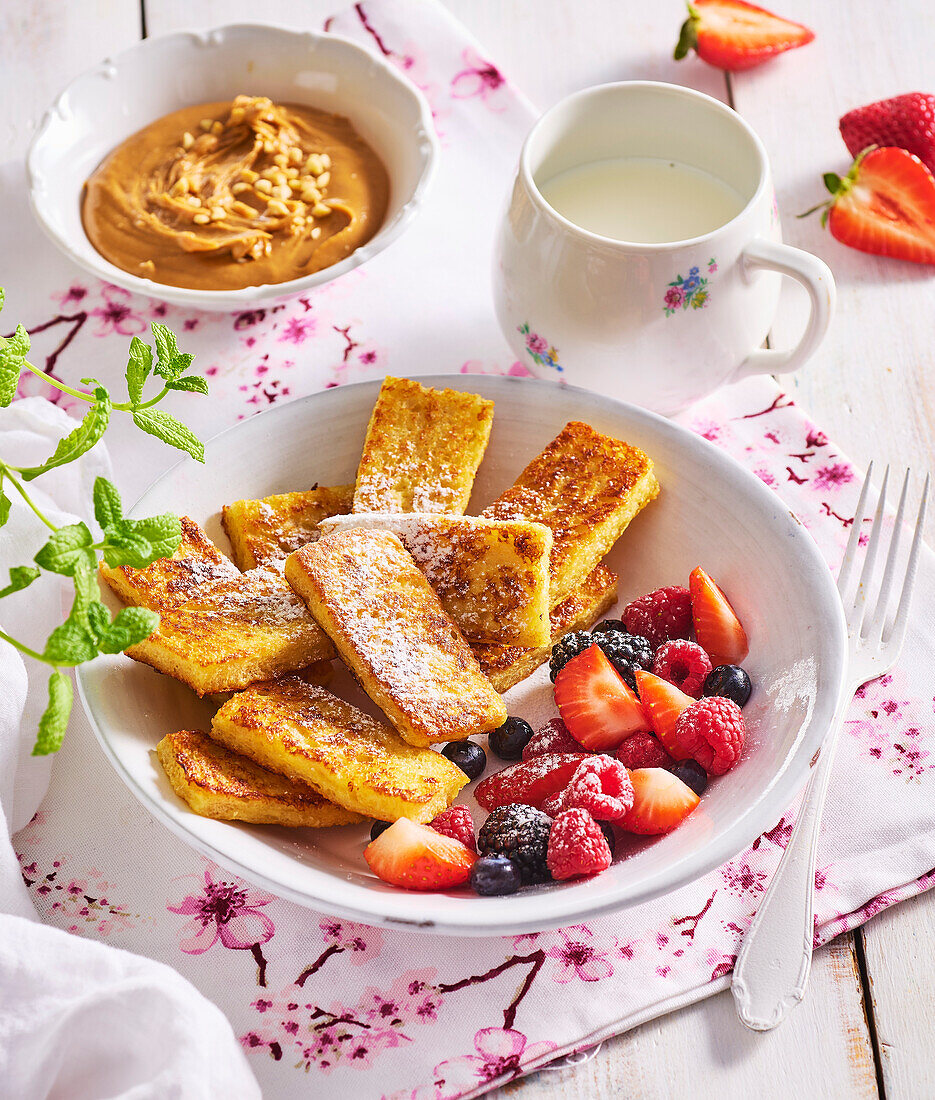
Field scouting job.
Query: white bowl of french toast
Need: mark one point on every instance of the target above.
(336, 614)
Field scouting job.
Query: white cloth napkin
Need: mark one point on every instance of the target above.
(78, 1019)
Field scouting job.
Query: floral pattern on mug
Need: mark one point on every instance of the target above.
(692, 291)
(540, 350)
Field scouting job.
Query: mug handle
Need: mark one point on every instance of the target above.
(816, 277)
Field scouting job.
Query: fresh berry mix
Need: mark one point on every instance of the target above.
(493, 875)
(567, 648)
(663, 703)
(379, 827)
(468, 755)
(731, 681)
(692, 774)
(509, 740)
(643, 750)
(661, 615)
(530, 782)
(595, 701)
(713, 733)
(553, 737)
(601, 785)
(456, 822)
(577, 846)
(684, 664)
(626, 652)
(660, 802)
(522, 834)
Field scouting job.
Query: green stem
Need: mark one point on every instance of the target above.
(8, 474)
(127, 406)
(54, 382)
(24, 648)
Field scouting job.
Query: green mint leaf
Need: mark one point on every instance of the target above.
(98, 619)
(21, 576)
(164, 532)
(12, 355)
(191, 383)
(139, 368)
(124, 547)
(132, 626)
(138, 542)
(54, 721)
(67, 551)
(108, 508)
(165, 427)
(72, 643)
(4, 507)
(81, 440)
(167, 346)
(2, 296)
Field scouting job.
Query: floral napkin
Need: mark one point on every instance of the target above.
(328, 1008)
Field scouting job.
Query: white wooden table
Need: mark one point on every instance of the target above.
(865, 1026)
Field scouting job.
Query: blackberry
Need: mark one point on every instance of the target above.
(566, 648)
(468, 755)
(509, 740)
(495, 875)
(521, 833)
(730, 681)
(626, 652)
(692, 774)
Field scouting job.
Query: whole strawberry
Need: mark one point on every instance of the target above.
(906, 121)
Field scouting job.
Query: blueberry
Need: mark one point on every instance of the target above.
(692, 774)
(608, 830)
(509, 740)
(468, 755)
(379, 827)
(492, 875)
(730, 681)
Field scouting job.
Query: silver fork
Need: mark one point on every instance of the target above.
(774, 961)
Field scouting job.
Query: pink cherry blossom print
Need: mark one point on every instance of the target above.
(576, 954)
(359, 943)
(116, 314)
(479, 78)
(224, 909)
(298, 329)
(501, 1052)
(833, 476)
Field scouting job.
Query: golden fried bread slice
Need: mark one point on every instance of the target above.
(491, 576)
(307, 733)
(218, 783)
(265, 532)
(169, 582)
(586, 487)
(422, 449)
(390, 630)
(233, 633)
(507, 665)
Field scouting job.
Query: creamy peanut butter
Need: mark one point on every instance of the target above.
(228, 195)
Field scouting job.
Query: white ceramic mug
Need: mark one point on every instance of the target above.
(660, 325)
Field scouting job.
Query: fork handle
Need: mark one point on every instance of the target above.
(772, 968)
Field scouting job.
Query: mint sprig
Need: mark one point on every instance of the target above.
(73, 550)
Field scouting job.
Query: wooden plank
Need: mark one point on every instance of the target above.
(869, 386)
(43, 46)
(898, 952)
(822, 1050)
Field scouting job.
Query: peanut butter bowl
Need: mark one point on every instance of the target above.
(274, 162)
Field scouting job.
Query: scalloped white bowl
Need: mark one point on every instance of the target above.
(116, 98)
(710, 511)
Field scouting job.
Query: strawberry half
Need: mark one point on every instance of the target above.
(530, 782)
(660, 802)
(905, 121)
(663, 703)
(733, 35)
(595, 702)
(717, 628)
(417, 858)
(884, 205)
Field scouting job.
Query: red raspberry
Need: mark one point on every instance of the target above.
(457, 823)
(553, 804)
(552, 737)
(643, 750)
(713, 733)
(663, 614)
(602, 786)
(684, 664)
(577, 846)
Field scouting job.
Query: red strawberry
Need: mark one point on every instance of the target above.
(717, 628)
(906, 121)
(733, 35)
(884, 205)
(664, 702)
(417, 858)
(660, 802)
(595, 702)
(530, 782)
